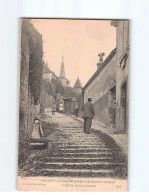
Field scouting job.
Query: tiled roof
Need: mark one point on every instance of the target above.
(77, 84)
(46, 70)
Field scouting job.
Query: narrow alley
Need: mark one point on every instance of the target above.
(74, 153)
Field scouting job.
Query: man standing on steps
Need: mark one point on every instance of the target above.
(88, 115)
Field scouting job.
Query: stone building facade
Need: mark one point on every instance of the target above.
(122, 74)
(109, 86)
(102, 88)
(47, 74)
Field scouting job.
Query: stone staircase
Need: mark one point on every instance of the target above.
(82, 155)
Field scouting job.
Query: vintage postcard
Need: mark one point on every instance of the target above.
(74, 105)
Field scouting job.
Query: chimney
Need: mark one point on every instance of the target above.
(101, 54)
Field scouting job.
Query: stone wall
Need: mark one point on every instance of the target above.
(46, 99)
(99, 89)
(28, 91)
(81, 102)
(27, 108)
(101, 109)
(104, 81)
(23, 104)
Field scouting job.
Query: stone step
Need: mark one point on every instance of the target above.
(79, 130)
(68, 143)
(79, 159)
(84, 140)
(79, 139)
(80, 146)
(75, 132)
(38, 145)
(96, 152)
(77, 173)
(77, 142)
(83, 165)
(72, 126)
(93, 154)
(84, 150)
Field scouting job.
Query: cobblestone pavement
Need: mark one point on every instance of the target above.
(77, 154)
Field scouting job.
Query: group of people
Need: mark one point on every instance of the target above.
(53, 110)
(87, 115)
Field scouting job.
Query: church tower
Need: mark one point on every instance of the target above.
(65, 82)
(77, 86)
(62, 71)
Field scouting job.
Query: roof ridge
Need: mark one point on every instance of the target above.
(101, 67)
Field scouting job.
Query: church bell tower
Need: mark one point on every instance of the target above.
(65, 82)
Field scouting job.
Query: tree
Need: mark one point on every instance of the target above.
(58, 86)
(69, 93)
(35, 57)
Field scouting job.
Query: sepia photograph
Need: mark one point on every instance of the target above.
(73, 104)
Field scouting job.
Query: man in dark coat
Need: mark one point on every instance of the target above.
(88, 115)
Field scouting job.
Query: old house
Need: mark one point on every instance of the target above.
(122, 74)
(102, 88)
(109, 86)
(51, 86)
(70, 100)
(47, 73)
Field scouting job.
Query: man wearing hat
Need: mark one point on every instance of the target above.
(88, 115)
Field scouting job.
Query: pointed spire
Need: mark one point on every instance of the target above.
(77, 83)
(62, 71)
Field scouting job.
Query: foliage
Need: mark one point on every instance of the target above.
(58, 86)
(35, 59)
(48, 87)
(69, 93)
(30, 76)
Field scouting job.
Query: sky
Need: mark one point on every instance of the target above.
(79, 41)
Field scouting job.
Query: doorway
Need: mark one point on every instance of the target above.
(124, 106)
(112, 101)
